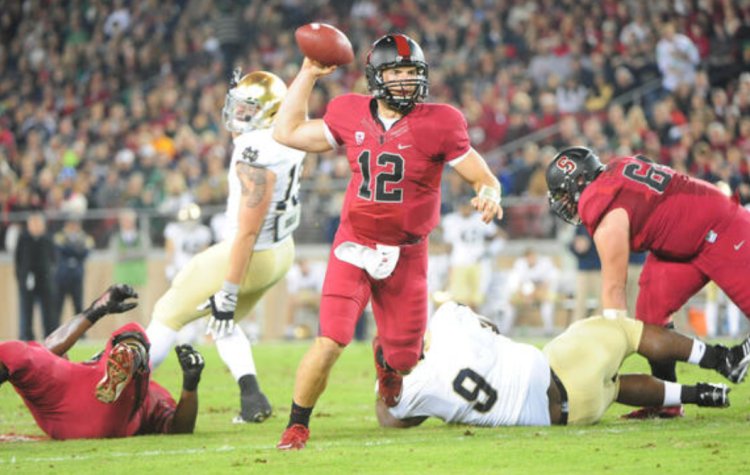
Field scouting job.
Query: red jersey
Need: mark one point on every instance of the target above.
(61, 396)
(393, 196)
(670, 214)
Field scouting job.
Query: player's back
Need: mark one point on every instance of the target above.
(670, 213)
(471, 374)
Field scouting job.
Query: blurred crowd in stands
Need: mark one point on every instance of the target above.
(117, 103)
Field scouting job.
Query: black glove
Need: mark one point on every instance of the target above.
(192, 364)
(113, 300)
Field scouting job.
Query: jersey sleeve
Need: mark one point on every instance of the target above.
(455, 134)
(411, 403)
(335, 112)
(593, 205)
(159, 411)
(24, 361)
(258, 149)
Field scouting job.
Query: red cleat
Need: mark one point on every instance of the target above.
(655, 412)
(390, 382)
(119, 371)
(294, 438)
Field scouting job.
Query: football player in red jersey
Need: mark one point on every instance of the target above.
(397, 147)
(693, 231)
(108, 396)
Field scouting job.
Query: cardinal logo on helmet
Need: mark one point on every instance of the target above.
(567, 165)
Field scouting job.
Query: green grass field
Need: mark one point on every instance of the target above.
(347, 439)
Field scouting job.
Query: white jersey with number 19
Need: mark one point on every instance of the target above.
(472, 375)
(258, 149)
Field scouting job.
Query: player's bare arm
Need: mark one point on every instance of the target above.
(385, 419)
(192, 364)
(116, 299)
(257, 185)
(612, 243)
(475, 171)
(292, 127)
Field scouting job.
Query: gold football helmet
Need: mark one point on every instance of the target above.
(189, 212)
(252, 101)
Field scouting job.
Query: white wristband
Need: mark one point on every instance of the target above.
(612, 313)
(489, 193)
(230, 288)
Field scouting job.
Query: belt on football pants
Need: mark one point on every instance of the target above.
(564, 407)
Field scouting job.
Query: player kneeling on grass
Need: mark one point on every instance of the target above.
(471, 374)
(110, 395)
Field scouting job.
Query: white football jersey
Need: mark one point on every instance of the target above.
(188, 239)
(468, 236)
(472, 375)
(259, 149)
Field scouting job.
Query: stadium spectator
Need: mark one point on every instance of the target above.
(693, 231)
(588, 275)
(471, 374)
(72, 247)
(378, 252)
(262, 210)
(165, 73)
(676, 56)
(34, 265)
(110, 395)
(129, 249)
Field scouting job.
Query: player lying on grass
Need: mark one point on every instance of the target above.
(473, 375)
(110, 395)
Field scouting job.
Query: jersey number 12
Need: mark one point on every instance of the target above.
(385, 190)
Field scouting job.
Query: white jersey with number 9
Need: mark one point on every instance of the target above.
(473, 375)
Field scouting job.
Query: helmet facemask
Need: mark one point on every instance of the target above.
(569, 173)
(402, 94)
(564, 201)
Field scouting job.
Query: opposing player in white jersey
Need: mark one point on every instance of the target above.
(471, 240)
(184, 238)
(471, 374)
(228, 279)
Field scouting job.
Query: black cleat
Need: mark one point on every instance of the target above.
(254, 408)
(712, 395)
(736, 362)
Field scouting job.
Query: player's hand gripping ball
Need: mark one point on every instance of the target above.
(324, 43)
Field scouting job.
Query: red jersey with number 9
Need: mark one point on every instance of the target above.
(671, 214)
(393, 196)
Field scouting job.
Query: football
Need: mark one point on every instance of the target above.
(324, 43)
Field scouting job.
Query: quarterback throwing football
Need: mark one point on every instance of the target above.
(397, 147)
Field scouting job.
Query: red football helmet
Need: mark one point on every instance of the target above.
(569, 173)
(391, 51)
